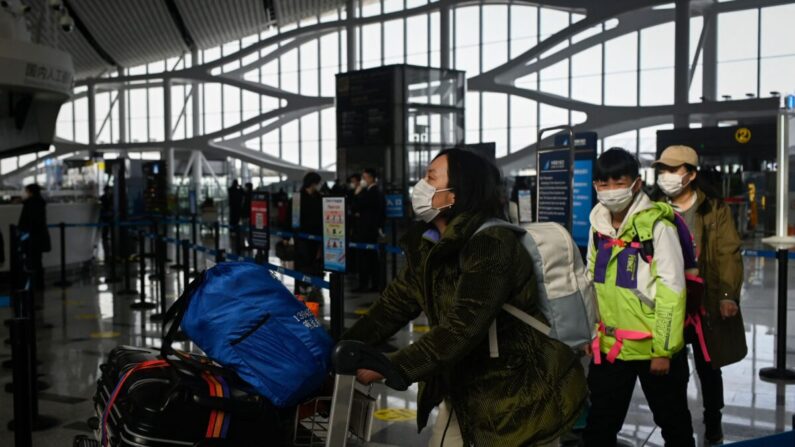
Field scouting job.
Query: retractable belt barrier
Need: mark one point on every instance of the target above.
(317, 282)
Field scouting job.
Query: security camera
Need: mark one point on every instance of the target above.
(66, 23)
(56, 5)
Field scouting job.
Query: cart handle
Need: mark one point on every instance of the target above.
(350, 355)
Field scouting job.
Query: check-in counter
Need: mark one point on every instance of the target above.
(80, 241)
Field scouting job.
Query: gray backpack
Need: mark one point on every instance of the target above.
(565, 292)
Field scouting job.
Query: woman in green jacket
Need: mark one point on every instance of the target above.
(720, 265)
(534, 390)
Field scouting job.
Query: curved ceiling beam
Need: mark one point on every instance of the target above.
(271, 56)
(81, 26)
(291, 170)
(176, 17)
(273, 125)
(503, 72)
(627, 23)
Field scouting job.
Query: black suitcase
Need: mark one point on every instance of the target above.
(176, 403)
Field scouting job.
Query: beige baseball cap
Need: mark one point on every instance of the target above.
(674, 156)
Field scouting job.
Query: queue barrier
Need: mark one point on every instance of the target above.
(317, 282)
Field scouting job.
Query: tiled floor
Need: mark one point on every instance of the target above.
(90, 318)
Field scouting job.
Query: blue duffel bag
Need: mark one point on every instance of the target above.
(246, 320)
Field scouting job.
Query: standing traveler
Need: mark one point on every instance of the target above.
(309, 254)
(235, 210)
(715, 331)
(248, 194)
(641, 301)
(369, 209)
(33, 222)
(529, 395)
(235, 195)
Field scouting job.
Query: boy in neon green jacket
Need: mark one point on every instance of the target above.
(641, 300)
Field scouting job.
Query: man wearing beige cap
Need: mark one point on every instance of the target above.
(719, 339)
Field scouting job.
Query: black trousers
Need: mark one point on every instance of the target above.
(611, 386)
(711, 381)
(369, 269)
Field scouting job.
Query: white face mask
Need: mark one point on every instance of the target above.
(671, 184)
(352, 185)
(363, 183)
(422, 201)
(616, 200)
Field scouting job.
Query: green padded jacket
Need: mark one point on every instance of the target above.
(533, 392)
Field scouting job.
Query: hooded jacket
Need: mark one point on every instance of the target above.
(721, 266)
(533, 392)
(632, 293)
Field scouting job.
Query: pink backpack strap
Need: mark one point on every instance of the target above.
(695, 321)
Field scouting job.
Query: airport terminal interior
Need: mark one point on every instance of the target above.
(145, 144)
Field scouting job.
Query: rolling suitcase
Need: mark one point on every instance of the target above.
(142, 400)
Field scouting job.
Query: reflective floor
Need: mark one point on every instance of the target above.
(85, 321)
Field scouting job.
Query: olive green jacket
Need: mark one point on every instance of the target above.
(721, 265)
(533, 392)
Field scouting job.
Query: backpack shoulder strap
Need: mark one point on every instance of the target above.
(490, 223)
(511, 309)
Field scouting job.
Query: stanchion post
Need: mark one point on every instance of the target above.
(216, 236)
(63, 283)
(40, 422)
(186, 266)
(15, 268)
(141, 304)
(780, 372)
(160, 260)
(220, 256)
(238, 240)
(178, 236)
(23, 381)
(337, 297)
(194, 236)
(128, 290)
(113, 253)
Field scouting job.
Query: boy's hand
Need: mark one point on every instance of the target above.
(660, 366)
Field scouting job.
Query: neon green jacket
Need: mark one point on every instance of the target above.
(633, 294)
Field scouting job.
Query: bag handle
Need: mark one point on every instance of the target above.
(173, 317)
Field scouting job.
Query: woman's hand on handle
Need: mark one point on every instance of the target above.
(367, 376)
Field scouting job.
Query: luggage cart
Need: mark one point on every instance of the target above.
(350, 409)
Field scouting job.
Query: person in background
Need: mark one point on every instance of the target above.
(720, 265)
(351, 188)
(248, 194)
(106, 217)
(534, 390)
(235, 195)
(369, 208)
(339, 189)
(324, 189)
(33, 222)
(309, 254)
(641, 303)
